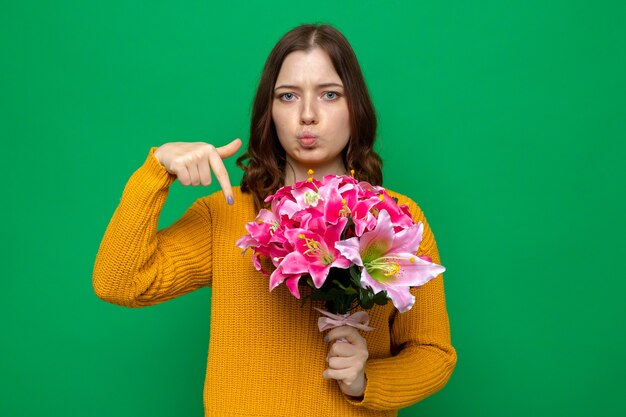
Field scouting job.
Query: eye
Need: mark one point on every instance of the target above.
(331, 95)
(287, 97)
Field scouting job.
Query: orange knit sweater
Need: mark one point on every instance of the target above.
(266, 354)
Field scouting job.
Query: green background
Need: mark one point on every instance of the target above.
(505, 120)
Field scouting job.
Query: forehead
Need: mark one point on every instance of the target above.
(312, 66)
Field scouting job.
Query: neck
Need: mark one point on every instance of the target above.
(294, 172)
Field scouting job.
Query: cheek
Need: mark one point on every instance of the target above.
(343, 122)
(280, 127)
(280, 121)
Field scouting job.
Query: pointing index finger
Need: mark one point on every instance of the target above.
(218, 168)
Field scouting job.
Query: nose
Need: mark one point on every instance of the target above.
(308, 112)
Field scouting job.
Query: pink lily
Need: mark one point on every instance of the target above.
(338, 197)
(389, 262)
(260, 231)
(314, 252)
(291, 281)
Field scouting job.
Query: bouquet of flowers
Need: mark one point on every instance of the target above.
(348, 240)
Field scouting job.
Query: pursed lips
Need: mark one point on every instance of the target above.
(306, 135)
(307, 139)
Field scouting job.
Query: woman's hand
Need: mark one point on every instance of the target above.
(192, 163)
(346, 360)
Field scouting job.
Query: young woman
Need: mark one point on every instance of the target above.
(266, 356)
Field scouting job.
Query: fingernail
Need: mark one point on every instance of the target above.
(230, 200)
(326, 339)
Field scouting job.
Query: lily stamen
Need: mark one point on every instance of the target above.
(345, 211)
(314, 249)
(311, 197)
(388, 265)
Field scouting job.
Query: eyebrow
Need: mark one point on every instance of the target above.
(295, 87)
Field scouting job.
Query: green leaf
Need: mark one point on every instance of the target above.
(381, 298)
(366, 298)
(355, 275)
(348, 290)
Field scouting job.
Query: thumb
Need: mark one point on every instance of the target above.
(229, 149)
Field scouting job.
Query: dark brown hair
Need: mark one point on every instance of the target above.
(264, 171)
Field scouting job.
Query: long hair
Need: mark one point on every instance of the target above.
(264, 171)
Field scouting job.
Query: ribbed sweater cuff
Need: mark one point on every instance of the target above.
(147, 187)
(154, 173)
(377, 387)
(392, 385)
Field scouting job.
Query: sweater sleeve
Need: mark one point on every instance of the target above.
(423, 358)
(137, 266)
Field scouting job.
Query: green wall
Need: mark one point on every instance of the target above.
(505, 120)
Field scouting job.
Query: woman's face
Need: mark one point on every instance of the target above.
(310, 113)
